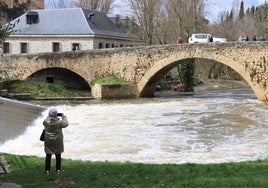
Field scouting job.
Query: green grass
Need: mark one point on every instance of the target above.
(40, 90)
(9, 79)
(28, 172)
(43, 89)
(110, 80)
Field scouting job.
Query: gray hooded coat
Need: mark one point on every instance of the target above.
(53, 135)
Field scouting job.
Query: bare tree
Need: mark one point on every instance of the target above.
(225, 28)
(235, 8)
(146, 13)
(100, 5)
(261, 20)
(162, 30)
(180, 18)
(106, 5)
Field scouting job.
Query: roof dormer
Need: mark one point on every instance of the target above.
(32, 17)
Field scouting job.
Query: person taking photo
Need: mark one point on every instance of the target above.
(53, 143)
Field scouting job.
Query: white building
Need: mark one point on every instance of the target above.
(53, 30)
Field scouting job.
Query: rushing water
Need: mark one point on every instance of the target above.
(219, 123)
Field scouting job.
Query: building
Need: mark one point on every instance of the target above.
(53, 30)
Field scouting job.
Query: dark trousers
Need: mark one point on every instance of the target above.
(48, 161)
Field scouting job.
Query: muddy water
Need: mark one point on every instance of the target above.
(220, 122)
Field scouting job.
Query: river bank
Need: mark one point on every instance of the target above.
(78, 174)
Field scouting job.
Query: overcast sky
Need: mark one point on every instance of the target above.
(214, 7)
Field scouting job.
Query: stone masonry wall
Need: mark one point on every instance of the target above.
(42, 44)
(145, 66)
(113, 91)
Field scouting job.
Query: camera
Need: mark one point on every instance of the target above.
(59, 114)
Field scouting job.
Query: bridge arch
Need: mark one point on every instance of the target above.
(26, 67)
(60, 76)
(146, 86)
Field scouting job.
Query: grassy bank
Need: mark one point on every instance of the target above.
(39, 90)
(42, 90)
(28, 172)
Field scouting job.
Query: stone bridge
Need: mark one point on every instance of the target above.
(145, 66)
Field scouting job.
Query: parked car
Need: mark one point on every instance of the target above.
(204, 38)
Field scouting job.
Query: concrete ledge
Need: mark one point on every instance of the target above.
(64, 98)
(9, 185)
(23, 96)
(19, 96)
(4, 93)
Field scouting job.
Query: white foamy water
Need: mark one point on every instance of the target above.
(179, 130)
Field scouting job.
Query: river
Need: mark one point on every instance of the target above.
(220, 122)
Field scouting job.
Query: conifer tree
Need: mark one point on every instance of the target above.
(241, 11)
(252, 10)
(231, 17)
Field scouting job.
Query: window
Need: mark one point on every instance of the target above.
(32, 17)
(56, 47)
(100, 45)
(6, 48)
(23, 48)
(107, 45)
(202, 36)
(50, 79)
(75, 46)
